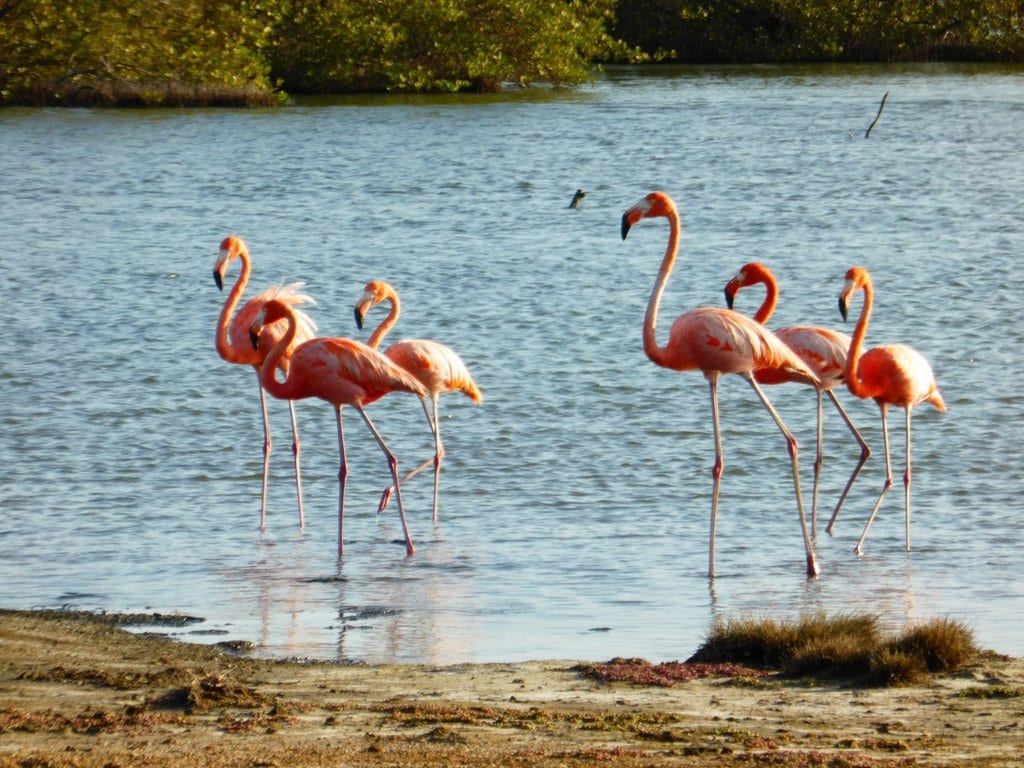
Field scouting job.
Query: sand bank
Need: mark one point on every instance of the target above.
(76, 690)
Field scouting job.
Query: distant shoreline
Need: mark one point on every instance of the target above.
(174, 95)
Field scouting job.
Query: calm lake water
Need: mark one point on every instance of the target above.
(575, 500)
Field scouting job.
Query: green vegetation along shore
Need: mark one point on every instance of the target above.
(258, 52)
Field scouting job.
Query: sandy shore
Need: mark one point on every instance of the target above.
(78, 691)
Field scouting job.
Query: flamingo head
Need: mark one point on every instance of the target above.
(856, 279)
(269, 313)
(654, 204)
(751, 273)
(231, 247)
(374, 292)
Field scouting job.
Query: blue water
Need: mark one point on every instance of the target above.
(575, 500)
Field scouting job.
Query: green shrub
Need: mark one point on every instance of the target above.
(433, 45)
(103, 51)
(815, 30)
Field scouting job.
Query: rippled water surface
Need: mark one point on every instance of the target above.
(575, 500)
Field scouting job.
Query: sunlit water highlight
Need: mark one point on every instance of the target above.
(575, 500)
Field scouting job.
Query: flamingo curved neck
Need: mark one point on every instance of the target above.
(388, 323)
(771, 299)
(658, 354)
(283, 390)
(853, 382)
(224, 348)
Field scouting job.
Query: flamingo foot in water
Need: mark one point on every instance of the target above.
(410, 550)
(812, 566)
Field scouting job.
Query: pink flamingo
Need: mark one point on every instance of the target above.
(342, 372)
(434, 365)
(716, 341)
(892, 374)
(233, 345)
(823, 349)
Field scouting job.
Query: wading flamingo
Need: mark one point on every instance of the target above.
(892, 374)
(434, 365)
(342, 372)
(823, 349)
(233, 345)
(716, 341)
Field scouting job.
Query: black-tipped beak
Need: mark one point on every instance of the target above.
(625, 226)
(728, 298)
(842, 307)
(359, 318)
(218, 280)
(254, 338)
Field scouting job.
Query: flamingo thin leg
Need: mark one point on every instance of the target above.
(439, 457)
(393, 466)
(888, 478)
(296, 450)
(342, 478)
(385, 498)
(865, 453)
(716, 469)
(812, 563)
(266, 454)
(906, 485)
(817, 473)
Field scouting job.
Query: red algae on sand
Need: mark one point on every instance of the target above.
(667, 674)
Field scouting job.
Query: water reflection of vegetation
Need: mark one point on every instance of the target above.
(515, 95)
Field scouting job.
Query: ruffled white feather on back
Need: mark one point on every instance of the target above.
(305, 327)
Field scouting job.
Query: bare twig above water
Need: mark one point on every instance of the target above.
(881, 106)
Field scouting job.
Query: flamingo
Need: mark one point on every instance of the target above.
(716, 341)
(232, 341)
(892, 374)
(342, 372)
(823, 349)
(437, 367)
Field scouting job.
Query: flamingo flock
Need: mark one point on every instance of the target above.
(274, 335)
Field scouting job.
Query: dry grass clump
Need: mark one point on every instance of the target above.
(847, 646)
(203, 694)
(764, 642)
(940, 644)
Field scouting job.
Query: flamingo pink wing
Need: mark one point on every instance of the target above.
(715, 339)
(437, 367)
(346, 372)
(823, 349)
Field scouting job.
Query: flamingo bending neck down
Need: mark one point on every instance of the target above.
(342, 372)
(716, 341)
(434, 365)
(233, 345)
(823, 349)
(891, 374)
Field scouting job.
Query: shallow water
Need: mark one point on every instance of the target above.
(575, 500)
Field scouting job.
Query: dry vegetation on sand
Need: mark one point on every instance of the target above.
(75, 690)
